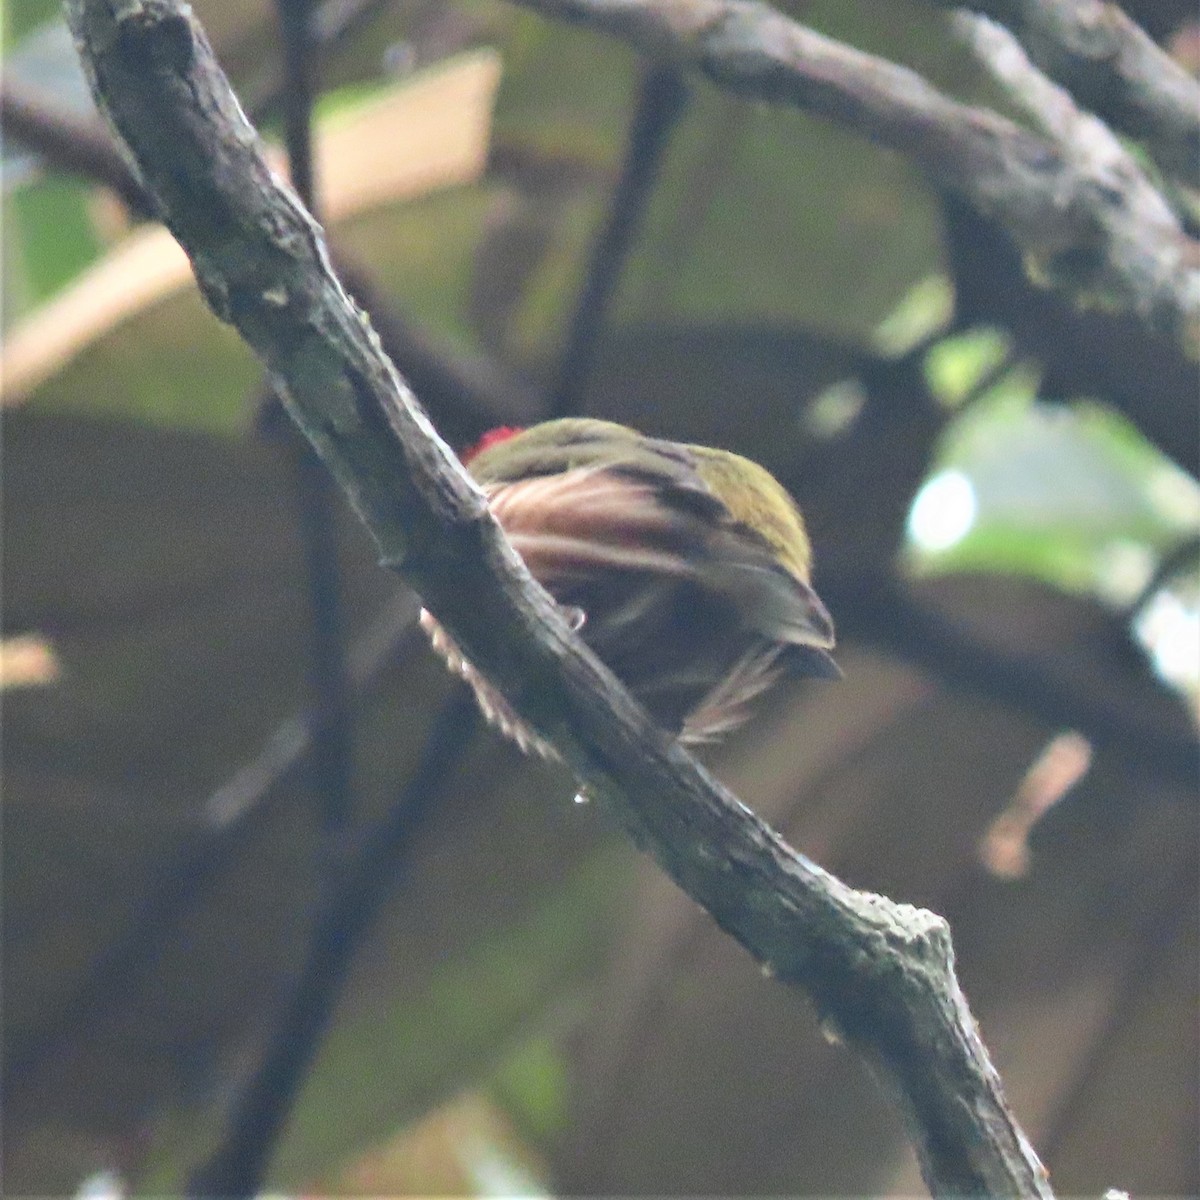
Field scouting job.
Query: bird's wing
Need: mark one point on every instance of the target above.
(773, 601)
(594, 519)
(662, 522)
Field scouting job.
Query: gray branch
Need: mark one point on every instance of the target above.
(1078, 224)
(881, 973)
(1112, 66)
(1085, 142)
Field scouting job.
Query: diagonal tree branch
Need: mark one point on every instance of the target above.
(1082, 227)
(314, 494)
(882, 973)
(1112, 66)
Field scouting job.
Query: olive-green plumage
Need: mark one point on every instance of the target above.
(688, 567)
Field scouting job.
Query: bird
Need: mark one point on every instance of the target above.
(686, 569)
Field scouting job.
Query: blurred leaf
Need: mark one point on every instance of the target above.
(956, 365)
(839, 232)
(565, 90)
(1073, 495)
(463, 1148)
(127, 338)
(173, 365)
(532, 1086)
(49, 236)
(1058, 554)
(48, 232)
(924, 309)
(52, 232)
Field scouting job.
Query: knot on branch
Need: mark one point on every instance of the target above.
(910, 936)
(152, 32)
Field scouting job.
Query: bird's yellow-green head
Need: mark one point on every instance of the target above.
(750, 493)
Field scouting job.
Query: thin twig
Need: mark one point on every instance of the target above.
(68, 142)
(370, 873)
(229, 816)
(299, 92)
(262, 1105)
(881, 972)
(331, 24)
(315, 500)
(314, 492)
(661, 100)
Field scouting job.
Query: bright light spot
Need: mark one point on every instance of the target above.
(27, 660)
(943, 512)
(1170, 630)
(104, 1185)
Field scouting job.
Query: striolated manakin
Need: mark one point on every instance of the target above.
(687, 570)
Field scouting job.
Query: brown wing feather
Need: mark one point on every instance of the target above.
(592, 519)
(685, 603)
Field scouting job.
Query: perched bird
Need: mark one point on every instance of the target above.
(685, 569)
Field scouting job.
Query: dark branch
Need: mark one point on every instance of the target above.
(879, 613)
(315, 500)
(70, 143)
(313, 491)
(660, 103)
(296, 20)
(1096, 234)
(351, 903)
(230, 814)
(881, 972)
(1149, 377)
(1112, 66)
(1082, 139)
